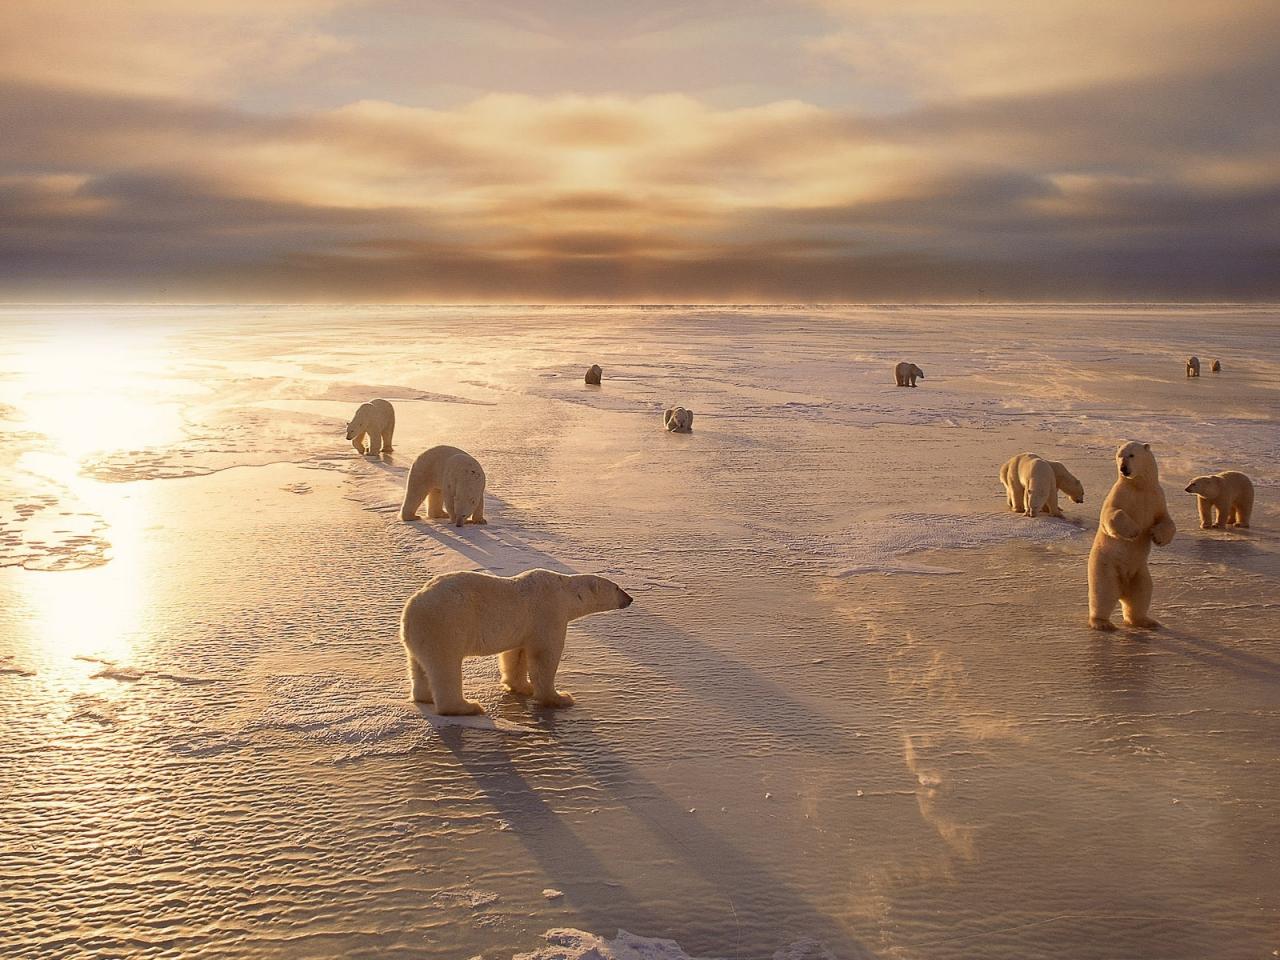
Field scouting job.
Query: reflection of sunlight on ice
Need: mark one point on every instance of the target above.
(90, 393)
(95, 612)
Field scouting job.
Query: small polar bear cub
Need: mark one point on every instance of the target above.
(594, 373)
(1230, 493)
(451, 481)
(905, 374)
(1193, 366)
(523, 619)
(1032, 484)
(1133, 517)
(377, 419)
(678, 420)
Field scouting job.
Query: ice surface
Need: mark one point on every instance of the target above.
(801, 741)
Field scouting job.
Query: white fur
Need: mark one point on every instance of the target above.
(377, 419)
(1134, 516)
(904, 374)
(678, 420)
(1229, 493)
(451, 481)
(522, 618)
(1032, 483)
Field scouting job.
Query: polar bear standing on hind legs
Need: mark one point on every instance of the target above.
(377, 419)
(451, 481)
(522, 618)
(1134, 516)
(1032, 484)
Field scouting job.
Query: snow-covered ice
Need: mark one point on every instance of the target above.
(854, 711)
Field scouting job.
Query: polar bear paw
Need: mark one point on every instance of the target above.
(1098, 623)
(558, 700)
(1143, 623)
(467, 708)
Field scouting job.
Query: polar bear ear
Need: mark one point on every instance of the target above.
(1146, 446)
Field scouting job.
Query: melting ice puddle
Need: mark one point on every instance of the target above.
(565, 943)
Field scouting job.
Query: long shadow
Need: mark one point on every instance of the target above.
(1214, 654)
(693, 665)
(774, 912)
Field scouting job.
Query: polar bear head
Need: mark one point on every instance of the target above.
(1067, 482)
(917, 371)
(351, 430)
(1208, 487)
(1135, 461)
(592, 594)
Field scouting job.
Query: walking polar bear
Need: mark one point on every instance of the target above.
(1193, 366)
(521, 618)
(1032, 484)
(905, 374)
(452, 483)
(1230, 493)
(1133, 517)
(377, 419)
(678, 420)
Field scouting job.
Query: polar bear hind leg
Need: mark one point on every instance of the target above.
(1136, 601)
(375, 443)
(1051, 504)
(386, 438)
(1104, 591)
(1036, 498)
(514, 667)
(445, 674)
(1242, 509)
(419, 684)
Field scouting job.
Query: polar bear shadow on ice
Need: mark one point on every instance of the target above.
(523, 619)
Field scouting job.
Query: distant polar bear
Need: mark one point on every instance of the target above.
(1193, 366)
(1032, 484)
(1230, 493)
(1217, 366)
(905, 374)
(594, 373)
(377, 418)
(522, 618)
(451, 481)
(678, 420)
(1133, 517)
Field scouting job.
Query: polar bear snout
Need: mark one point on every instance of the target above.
(625, 600)
(1191, 487)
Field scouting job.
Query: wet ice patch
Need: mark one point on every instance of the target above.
(565, 943)
(892, 544)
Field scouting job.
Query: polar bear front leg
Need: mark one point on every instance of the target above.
(1052, 504)
(1206, 512)
(514, 668)
(358, 442)
(543, 656)
(1163, 531)
(1120, 525)
(435, 504)
(478, 516)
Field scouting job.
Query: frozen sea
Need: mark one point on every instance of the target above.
(854, 712)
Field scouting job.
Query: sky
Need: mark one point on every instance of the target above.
(595, 151)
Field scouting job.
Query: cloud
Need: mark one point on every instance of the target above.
(1094, 176)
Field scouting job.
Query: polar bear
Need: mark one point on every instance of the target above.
(1032, 484)
(1217, 366)
(452, 483)
(1193, 366)
(905, 374)
(1133, 517)
(678, 420)
(377, 418)
(521, 618)
(1229, 492)
(594, 373)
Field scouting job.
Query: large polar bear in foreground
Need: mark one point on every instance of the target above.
(451, 481)
(1133, 517)
(1230, 493)
(1032, 484)
(523, 618)
(377, 418)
